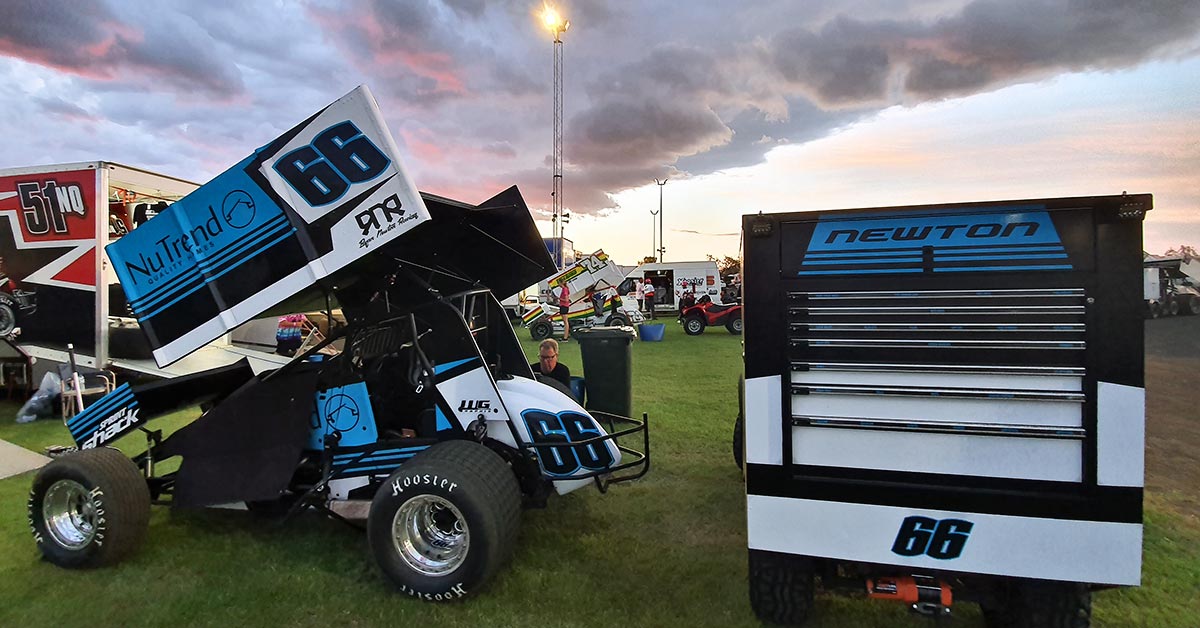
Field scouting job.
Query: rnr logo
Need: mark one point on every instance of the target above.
(47, 204)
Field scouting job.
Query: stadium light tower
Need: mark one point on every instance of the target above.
(557, 26)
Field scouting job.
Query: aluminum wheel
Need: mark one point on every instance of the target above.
(70, 513)
(431, 535)
(694, 326)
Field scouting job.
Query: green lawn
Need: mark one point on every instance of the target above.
(668, 550)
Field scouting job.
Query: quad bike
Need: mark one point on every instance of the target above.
(15, 303)
(696, 315)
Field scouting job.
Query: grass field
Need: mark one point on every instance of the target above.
(668, 550)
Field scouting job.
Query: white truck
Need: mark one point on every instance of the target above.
(674, 279)
(945, 403)
(596, 271)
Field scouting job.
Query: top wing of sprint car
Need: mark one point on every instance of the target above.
(427, 355)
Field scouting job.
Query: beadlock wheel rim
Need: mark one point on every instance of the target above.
(70, 513)
(431, 535)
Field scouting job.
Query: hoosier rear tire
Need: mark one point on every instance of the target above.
(781, 587)
(89, 509)
(446, 521)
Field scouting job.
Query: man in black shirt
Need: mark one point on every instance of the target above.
(548, 365)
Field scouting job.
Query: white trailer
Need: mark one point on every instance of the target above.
(674, 279)
(59, 287)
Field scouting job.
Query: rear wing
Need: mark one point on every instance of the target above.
(324, 209)
(596, 270)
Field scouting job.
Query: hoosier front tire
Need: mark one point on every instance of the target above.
(541, 330)
(89, 509)
(446, 521)
(781, 587)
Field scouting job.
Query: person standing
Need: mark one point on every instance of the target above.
(640, 290)
(564, 306)
(649, 291)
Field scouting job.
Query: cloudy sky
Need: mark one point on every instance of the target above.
(745, 106)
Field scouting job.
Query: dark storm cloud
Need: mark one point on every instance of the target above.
(703, 109)
(988, 44)
(90, 40)
(643, 133)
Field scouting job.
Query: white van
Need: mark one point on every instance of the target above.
(672, 279)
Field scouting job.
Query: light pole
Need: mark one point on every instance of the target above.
(557, 26)
(662, 249)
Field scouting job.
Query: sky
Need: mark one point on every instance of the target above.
(770, 105)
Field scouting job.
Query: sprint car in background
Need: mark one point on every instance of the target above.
(426, 422)
(596, 271)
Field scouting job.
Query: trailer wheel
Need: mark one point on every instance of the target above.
(541, 330)
(734, 326)
(8, 314)
(739, 441)
(446, 521)
(89, 509)
(617, 320)
(693, 325)
(781, 587)
(1039, 604)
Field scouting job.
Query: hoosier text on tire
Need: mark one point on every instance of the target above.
(446, 521)
(89, 508)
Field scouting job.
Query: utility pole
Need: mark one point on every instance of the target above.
(662, 249)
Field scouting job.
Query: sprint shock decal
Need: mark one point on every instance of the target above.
(1017, 239)
(324, 194)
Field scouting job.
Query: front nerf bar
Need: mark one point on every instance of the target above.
(604, 477)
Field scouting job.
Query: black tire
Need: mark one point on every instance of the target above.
(8, 314)
(739, 441)
(1173, 307)
(734, 325)
(1155, 309)
(451, 483)
(617, 320)
(89, 509)
(693, 325)
(541, 330)
(781, 587)
(1041, 604)
(1194, 305)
